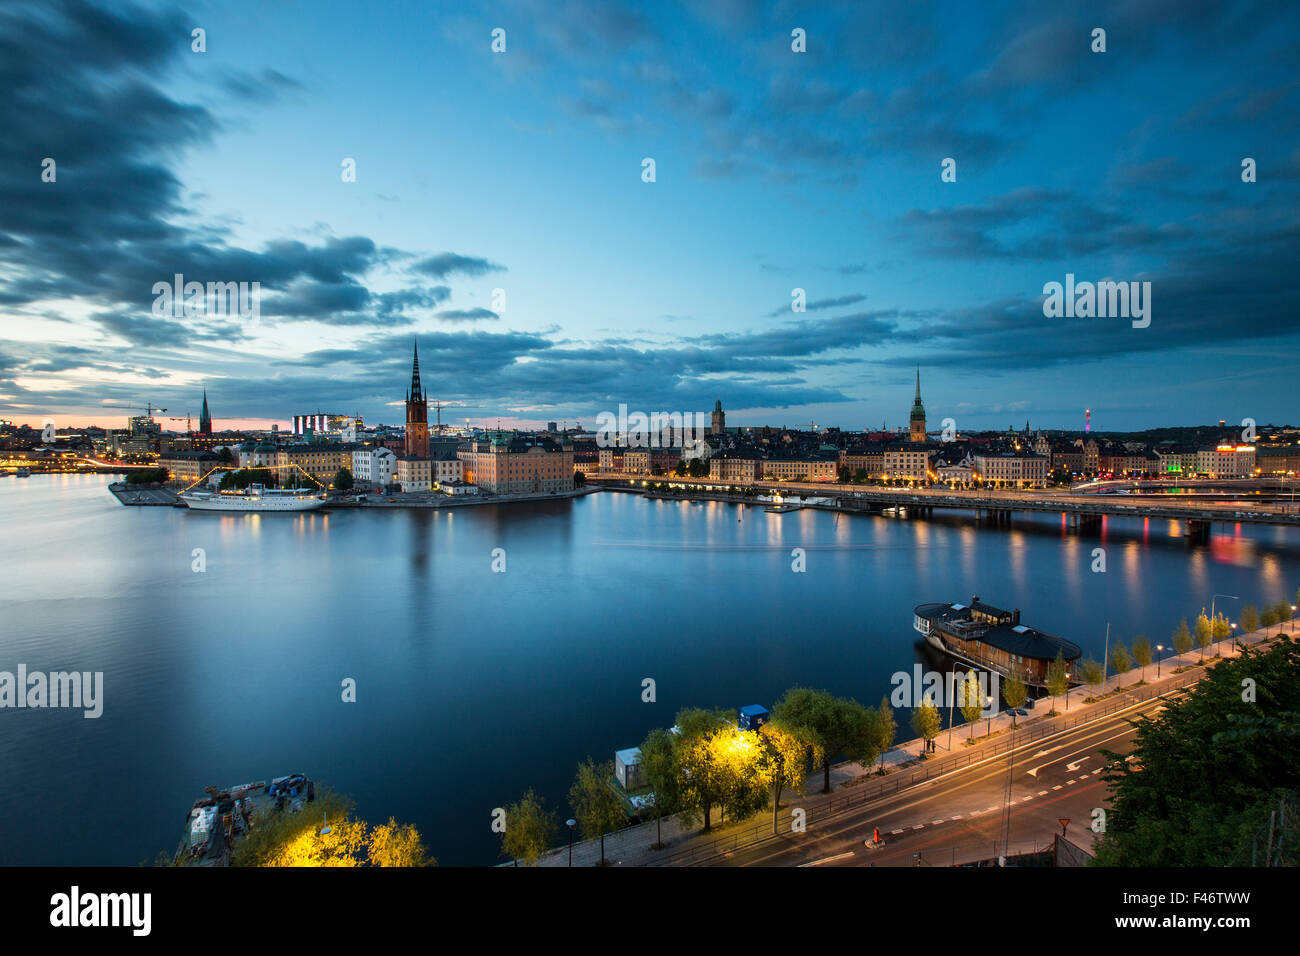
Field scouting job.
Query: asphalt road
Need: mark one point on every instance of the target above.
(1052, 778)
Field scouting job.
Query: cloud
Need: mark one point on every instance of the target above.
(449, 263)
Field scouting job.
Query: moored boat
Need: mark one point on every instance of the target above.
(255, 498)
(993, 638)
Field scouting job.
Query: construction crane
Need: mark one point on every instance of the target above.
(811, 426)
(149, 408)
(186, 420)
(439, 406)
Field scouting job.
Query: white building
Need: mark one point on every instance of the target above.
(374, 464)
(1226, 461)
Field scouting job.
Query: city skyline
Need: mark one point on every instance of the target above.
(775, 171)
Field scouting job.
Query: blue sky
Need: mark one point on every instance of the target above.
(775, 170)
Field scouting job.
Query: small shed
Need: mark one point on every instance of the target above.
(753, 716)
(627, 767)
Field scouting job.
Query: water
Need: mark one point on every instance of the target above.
(471, 685)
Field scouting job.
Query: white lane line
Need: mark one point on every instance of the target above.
(957, 817)
(896, 832)
(827, 859)
(1042, 793)
(935, 823)
(1057, 787)
(1069, 782)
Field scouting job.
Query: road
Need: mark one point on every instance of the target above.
(1054, 777)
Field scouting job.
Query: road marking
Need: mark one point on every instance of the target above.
(935, 823)
(896, 832)
(957, 817)
(1073, 765)
(1042, 793)
(1069, 782)
(827, 859)
(1057, 787)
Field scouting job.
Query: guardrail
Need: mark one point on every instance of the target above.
(856, 796)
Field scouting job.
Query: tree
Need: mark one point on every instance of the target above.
(1220, 628)
(1058, 680)
(842, 726)
(662, 772)
(1203, 632)
(1284, 613)
(225, 455)
(529, 831)
(343, 479)
(1249, 619)
(656, 470)
(969, 702)
(1120, 661)
(1015, 693)
(1208, 768)
(1142, 654)
(393, 844)
(1182, 639)
(700, 790)
(786, 754)
(1093, 674)
(596, 807)
(886, 729)
(699, 468)
(579, 479)
(927, 723)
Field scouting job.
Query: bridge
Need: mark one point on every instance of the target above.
(996, 506)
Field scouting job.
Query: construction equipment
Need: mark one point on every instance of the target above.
(186, 419)
(439, 406)
(149, 408)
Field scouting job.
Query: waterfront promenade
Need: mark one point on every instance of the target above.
(853, 787)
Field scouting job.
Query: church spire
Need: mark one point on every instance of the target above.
(918, 384)
(416, 393)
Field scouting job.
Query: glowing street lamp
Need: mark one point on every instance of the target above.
(1159, 651)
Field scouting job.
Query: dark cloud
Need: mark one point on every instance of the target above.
(449, 263)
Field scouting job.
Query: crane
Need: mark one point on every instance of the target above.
(186, 419)
(811, 426)
(439, 406)
(149, 408)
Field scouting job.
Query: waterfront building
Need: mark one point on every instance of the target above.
(515, 463)
(908, 460)
(864, 458)
(374, 464)
(610, 460)
(253, 454)
(446, 468)
(993, 638)
(1226, 461)
(1277, 459)
(737, 467)
(321, 461)
(415, 474)
(417, 413)
(187, 467)
(1023, 469)
(799, 469)
(644, 461)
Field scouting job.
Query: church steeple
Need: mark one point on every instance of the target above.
(416, 394)
(917, 417)
(205, 418)
(417, 413)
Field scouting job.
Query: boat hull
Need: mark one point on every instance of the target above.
(255, 504)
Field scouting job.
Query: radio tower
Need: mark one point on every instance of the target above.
(1087, 420)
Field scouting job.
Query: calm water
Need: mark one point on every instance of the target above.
(472, 685)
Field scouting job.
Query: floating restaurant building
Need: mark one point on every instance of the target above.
(994, 639)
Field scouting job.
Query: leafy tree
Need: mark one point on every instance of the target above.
(343, 479)
(1182, 639)
(681, 468)
(1120, 661)
(596, 807)
(530, 829)
(1058, 680)
(969, 702)
(700, 788)
(225, 454)
(1209, 767)
(860, 475)
(394, 844)
(1015, 693)
(787, 751)
(1267, 619)
(662, 772)
(842, 726)
(1249, 619)
(1204, 632)
(656, 470)
(927, 723)
(1093, 674)
(579, 479)
(1219, 627)
(698, 468)
(886, 728)
(1142, 654)
(1284, 613)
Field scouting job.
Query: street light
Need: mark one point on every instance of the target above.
(1159, 650)
(570, 824)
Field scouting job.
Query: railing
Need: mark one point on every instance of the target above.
(850, 798)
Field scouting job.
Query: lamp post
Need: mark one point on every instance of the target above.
(988, 717)
(1159, 652)
(570, 824)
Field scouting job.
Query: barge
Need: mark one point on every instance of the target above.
(217, 821)
(992, 638)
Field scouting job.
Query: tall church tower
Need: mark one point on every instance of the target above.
(918, 412)
(417, 414)
(719, 418)
(205, 417)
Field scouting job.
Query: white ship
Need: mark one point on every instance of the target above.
(255, 498)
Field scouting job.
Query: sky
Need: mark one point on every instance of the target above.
(501, 217)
